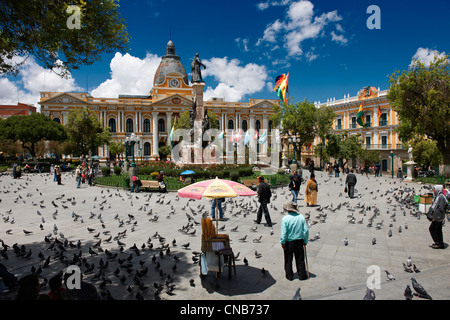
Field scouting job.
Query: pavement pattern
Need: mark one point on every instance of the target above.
(145, 245)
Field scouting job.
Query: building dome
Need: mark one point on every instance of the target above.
(170, 63)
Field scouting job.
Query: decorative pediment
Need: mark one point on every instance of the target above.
(64, 98)
(265, 104)
(174, 101)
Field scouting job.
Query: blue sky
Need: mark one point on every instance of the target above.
(324, 45)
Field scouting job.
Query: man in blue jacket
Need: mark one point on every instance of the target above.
(294, 236)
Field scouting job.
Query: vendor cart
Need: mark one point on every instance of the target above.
(216, 249)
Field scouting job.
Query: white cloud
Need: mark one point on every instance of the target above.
(300, 24)
(265, 5)
(235, 81)
(129, 75)
(426, 56)
(242, 42)
(31, 80)
(338, 38)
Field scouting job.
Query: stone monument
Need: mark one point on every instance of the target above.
(198, 117)
(410, 166)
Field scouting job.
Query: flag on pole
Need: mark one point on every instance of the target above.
(172, 135)
(247, 138)
(256, 135)
(263, 138)
(220, 137)
(281, 87)
(379, 112)
(360, 116)
(238, 136)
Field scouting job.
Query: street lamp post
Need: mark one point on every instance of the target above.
(294, 140)
(392, 168)
(131, 141)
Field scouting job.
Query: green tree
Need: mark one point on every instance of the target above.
(31, 129)
(85, 131)
(45, 30)
(369, 157)
(164, 151)
(183, 120)
(421, 97)
(425, 152)
(344, 147)
(116, 148)
(303, 120)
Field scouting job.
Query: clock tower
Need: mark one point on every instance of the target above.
(170, 77)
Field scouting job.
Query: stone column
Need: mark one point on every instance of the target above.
(168, 120)
(155, 134)
(198, 138)
(198, 94)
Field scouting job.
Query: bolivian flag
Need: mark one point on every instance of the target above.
(360, 116)
(281, 87)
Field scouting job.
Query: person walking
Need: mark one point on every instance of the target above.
(294, 187)
(294, 236)
(436, 215)
(336, 169)
(264, 195)
(350, 183)
(58, 174)
(311, 191)
(78, 176)
(217, 203)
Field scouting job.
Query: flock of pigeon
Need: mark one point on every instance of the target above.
(121, 241)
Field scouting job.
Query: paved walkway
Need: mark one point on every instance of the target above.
(113, 212)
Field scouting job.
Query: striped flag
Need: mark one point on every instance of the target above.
(220, 137)
(172, 135)
(281, 87)
(263, 138)
(360, 116)
(247, 138)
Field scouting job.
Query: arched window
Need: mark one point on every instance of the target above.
(270, 126)
(112, 125)
(258, 125)
(161, 126)
(244, 125)
(146, 125)
(230, 124)
(57, 120)
(147, 149)
(129, 127)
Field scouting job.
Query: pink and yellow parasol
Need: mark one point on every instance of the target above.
(215, 189)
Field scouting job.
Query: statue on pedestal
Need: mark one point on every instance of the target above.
(196, 69)
(410, 153)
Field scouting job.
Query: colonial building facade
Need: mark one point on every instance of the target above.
(150, 116)
(380, 120)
